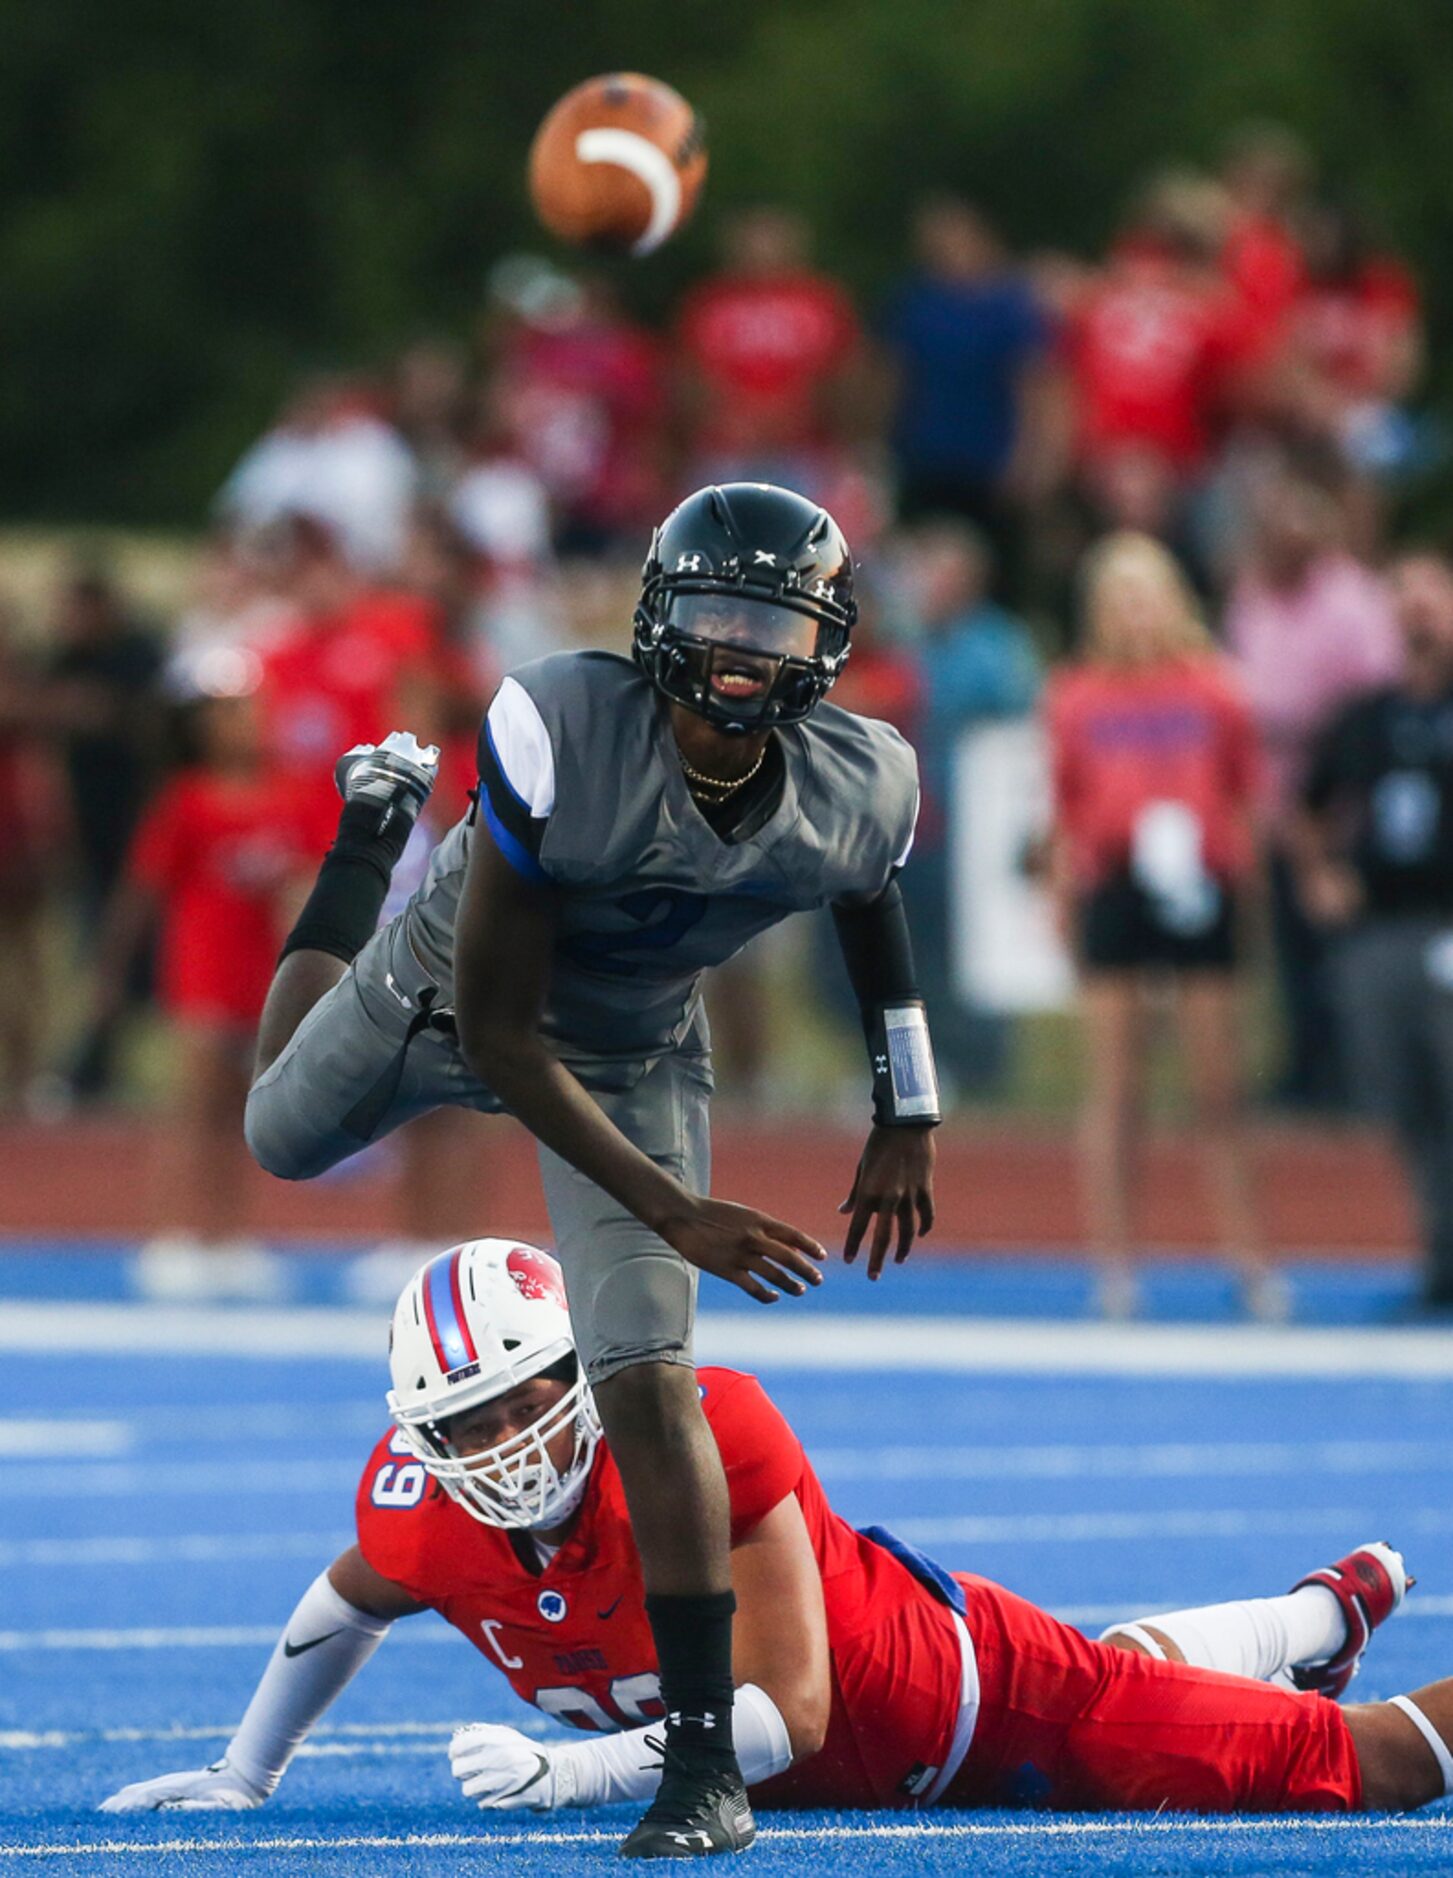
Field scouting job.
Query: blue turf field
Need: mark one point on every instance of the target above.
(202, 1479)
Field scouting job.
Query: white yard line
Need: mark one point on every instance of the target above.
(166, 1479)
(1165, 1460)
(182, 1637)
(896, 1343)
(66, 1476)
(180, 1548)
(869, 1830)
(45, 1438)
(25, 1739)
(1200, 1523)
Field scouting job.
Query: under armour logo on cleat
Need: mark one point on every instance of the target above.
(703, 1839)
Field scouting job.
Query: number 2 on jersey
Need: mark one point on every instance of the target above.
(664, 916)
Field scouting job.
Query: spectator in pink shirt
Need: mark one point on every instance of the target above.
(1311, 627)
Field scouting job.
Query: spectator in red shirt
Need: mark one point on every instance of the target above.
(1154, 346)
(1266, 172)
(1354, 344)
(765, 352)
(213, 861)
(578, 394)
(352, 663)
(1154, 777)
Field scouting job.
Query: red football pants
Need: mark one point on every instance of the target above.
(1082, 1727)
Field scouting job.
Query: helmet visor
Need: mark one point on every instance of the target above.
(736, 620)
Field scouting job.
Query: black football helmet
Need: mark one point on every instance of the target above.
(746, 606)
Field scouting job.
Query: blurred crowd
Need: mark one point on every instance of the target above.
(1168, 477)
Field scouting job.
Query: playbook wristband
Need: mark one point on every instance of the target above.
(905, 1080)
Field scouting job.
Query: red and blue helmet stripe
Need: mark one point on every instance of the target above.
(444, 1313)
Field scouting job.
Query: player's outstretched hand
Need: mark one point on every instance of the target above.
(219, 1788)
(894, 1183)
(749, 1249)
(503, 1771)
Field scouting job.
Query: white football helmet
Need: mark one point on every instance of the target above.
(471, 1325)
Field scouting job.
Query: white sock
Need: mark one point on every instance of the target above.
(1255, 1637)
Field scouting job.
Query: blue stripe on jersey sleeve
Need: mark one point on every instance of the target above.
(509, 845)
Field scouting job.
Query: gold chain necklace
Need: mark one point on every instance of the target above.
(720, 786)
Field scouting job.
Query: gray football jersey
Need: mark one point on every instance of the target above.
(581, 786)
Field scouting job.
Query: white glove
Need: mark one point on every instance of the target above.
(219, 1788)
(503, 1771)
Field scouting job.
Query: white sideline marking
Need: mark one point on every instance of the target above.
(1178, 1460)
(1033, 1346)
(965, 1344)
(1152, 1825)
(45, 1437)
(195, 1330)
(189, 1548)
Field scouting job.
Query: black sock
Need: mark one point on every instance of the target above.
(694, 1653)
(342, 910)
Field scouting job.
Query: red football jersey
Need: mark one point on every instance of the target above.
(573, 1637)
(219, 852)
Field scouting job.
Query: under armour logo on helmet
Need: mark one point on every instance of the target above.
(689, 563)
(822, 589)
(761, 558)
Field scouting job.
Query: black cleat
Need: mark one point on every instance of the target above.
(696, 1813)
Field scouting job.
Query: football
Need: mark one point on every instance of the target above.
(618, 163)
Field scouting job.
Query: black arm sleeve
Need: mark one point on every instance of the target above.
(877, 950)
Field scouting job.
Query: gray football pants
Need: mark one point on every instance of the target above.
(1393, 981)
(632, 1299)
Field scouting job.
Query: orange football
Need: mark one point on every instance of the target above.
(618, 163)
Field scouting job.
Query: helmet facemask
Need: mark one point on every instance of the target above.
(759, 568)
(516, 1484)
(743, 662)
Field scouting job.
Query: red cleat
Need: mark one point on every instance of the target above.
(1369, 1584)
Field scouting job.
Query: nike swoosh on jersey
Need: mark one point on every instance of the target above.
(609, 1611)
(296, 1649)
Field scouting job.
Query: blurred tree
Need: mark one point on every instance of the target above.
(198, 202)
